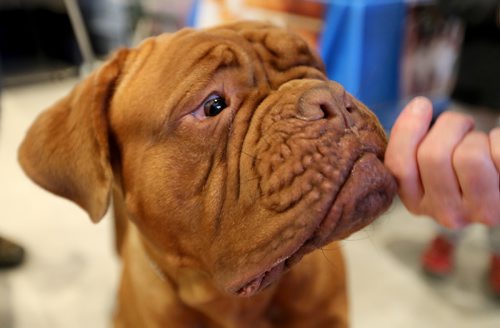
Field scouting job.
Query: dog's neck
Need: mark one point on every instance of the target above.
(188, 283)
(192, 288)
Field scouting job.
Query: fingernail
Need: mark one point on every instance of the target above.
(420, 106)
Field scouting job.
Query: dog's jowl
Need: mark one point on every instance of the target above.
(228, 156)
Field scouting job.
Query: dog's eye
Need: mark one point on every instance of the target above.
(214, 106)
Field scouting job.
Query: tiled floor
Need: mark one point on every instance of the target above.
(71, 272)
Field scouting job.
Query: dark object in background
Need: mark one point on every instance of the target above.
(479, 65)
(431, 47)
(107, 22)
(35, 42)
(11, 254)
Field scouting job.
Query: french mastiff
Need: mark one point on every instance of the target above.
(228, 155)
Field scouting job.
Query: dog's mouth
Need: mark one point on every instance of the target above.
(271, 275)
(366, 193)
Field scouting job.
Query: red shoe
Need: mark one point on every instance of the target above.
(438, 258)
(494, 275)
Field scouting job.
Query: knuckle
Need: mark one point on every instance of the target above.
(470, 160)
(432, 155)
(473, 153)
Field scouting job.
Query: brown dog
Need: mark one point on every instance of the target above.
(230, 156)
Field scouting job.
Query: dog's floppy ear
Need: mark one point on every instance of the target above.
(66, 150)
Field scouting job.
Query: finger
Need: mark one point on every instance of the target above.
(495, 146)
(401, 155)
(442, 196)
(478, 178)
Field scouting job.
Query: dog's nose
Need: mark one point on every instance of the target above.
(326, 103)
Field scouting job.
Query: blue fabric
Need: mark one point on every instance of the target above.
(193, 14)
(361, 46)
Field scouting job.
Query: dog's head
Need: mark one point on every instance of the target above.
(234, 152)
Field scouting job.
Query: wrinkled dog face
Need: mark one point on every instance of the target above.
(254, 156)
(235, 154)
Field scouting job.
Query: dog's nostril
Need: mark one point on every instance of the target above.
(312, 111)
(327, 110)
(324, 103)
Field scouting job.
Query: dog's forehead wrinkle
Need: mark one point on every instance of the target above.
(227, 45)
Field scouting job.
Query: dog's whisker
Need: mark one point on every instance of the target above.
(332, 266)
(249, 155)
(332, 248)
(352, 239)
(252, 179)
(254, 156)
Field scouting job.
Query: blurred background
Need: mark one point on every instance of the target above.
(59, 270)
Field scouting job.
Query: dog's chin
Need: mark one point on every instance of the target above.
(353, 208)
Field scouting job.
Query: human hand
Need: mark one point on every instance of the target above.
(449, 172)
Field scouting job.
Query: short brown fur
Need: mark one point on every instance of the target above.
(213, 213)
